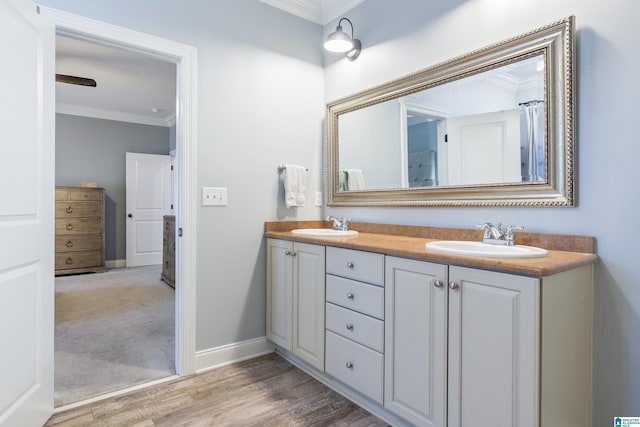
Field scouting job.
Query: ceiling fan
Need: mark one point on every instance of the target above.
(74, 80)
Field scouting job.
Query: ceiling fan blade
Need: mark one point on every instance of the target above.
(82, 81)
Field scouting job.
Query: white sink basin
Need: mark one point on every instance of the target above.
(479, 249)
(324, 232)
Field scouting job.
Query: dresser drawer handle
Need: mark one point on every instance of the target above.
(69, 227)
(69, 261)
(69, 209)
(350, 326)
(349, 365)
(350, 265)
(350, 295)
(69, 244)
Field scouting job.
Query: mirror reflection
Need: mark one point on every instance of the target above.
(487, 128)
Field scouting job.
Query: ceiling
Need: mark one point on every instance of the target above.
(134, 87)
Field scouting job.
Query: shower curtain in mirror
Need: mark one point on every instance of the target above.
(534, 130)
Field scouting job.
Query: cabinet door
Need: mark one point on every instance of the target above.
(308, 303)
(416, 341)
(279, 292)
(493, 349)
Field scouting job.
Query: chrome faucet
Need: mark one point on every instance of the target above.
(341, 223)
(494, 234)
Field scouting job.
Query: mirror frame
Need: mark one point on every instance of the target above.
(556, 42)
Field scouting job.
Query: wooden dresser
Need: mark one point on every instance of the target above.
(169, 250)
(79, 230)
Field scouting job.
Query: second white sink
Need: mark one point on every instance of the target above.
(324, 232)
(479, 249)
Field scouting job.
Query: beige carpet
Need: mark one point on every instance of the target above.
(113, 330)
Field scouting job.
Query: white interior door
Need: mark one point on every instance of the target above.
(26, 215)
(484, 148)
(148, 200)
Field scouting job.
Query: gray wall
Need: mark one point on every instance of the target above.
(403, 36)
(90, 149)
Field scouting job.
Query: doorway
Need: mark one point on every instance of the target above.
(185, 59)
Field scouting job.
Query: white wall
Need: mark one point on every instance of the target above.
(403, 36)
(260, 103)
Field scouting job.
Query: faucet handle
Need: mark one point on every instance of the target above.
(508, 235)
(490, 228)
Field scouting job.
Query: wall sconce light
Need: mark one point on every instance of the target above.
(339, 41)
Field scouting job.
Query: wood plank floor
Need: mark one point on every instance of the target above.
(266, 391)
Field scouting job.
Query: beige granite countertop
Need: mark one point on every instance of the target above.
(565, 251)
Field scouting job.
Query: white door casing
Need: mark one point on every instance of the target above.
(26, 215)
(148, 197)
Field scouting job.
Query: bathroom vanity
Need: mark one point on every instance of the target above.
(431, 339)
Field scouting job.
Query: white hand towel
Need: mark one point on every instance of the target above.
(355, 179)
(294, 185)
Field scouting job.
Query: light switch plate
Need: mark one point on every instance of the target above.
(318, 198)
(214, 196)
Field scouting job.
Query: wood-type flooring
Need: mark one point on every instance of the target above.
(265, 391)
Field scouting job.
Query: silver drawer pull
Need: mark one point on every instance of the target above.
(349, 295)
(453, 285)
(287, 253)
(69, 209)
(437, 283)
(350, 265)
(350, 326)
(349, 365)
(69, 227)
(69, 244)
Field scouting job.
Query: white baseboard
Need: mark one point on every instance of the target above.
(231, 353)
(116, 263)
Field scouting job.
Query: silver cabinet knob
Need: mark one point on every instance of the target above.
(287, 253)
(437, 283)
(453, 285)
(350, 295)
(349, 365)
(350, 265)
(350, 326)
(294, 254)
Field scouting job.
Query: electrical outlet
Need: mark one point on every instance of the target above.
(318, 198)
(214, 196)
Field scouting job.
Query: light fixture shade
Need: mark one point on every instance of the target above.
(339, 41)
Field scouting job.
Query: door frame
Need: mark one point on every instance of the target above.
(185, 58)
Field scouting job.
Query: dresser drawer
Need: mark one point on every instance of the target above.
(79, 226)
(78, 243)
(85, 194)
(355, 365)
(78, 209)
(358, 265)
(65, 261)
(356, 327)
(62, 194)
(358, 296)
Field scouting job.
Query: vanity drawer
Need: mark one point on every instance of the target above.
(358, 296)
(78, 209)
(356, 327)
(355, 365)
(358, 265)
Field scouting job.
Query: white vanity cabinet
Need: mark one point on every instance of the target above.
(415, 386)
(295, 298)
(355, 320)
(467, 347)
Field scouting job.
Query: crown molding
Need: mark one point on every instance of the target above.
(97, 113)
(319, 11)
